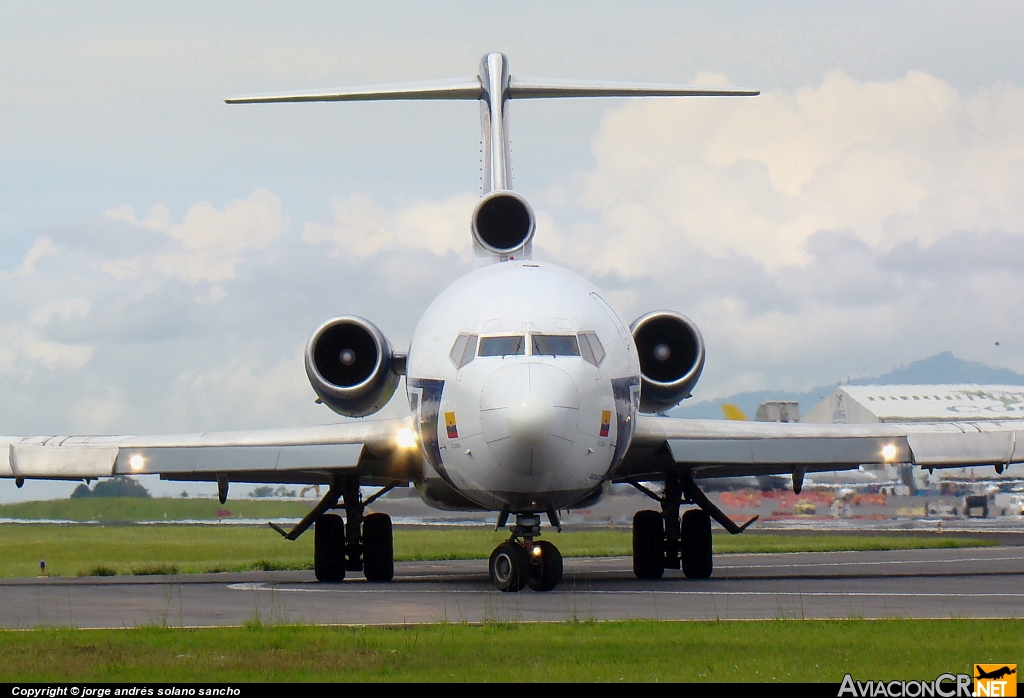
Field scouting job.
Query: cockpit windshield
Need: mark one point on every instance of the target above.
(509, 345)
(555, 345)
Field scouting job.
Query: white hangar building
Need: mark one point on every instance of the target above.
(866, 404)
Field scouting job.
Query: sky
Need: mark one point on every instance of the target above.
(164, 256)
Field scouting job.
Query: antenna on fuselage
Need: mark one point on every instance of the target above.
(503, 222)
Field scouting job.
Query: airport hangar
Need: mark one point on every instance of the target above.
(870, 404)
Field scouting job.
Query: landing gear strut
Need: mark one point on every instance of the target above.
(662, 541)
(521, 561)
(356, 543)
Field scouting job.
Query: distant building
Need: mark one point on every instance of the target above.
(867, 404)
(778, 411)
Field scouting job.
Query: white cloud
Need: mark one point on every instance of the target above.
(357, 227)
(98, 414)
(836, 230)
(42, 247)
(910, 159)
(23, 349)
(209, 243)
(63, 309)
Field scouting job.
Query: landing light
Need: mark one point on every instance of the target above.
(136, 462)
(536, 551)
(405, 438)
(889, 452)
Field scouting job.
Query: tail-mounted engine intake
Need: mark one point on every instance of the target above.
(352, 367)
(503, 224)
(671, 351)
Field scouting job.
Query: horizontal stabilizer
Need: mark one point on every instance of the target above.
(518, 88)
(463, 88)
(540, 88)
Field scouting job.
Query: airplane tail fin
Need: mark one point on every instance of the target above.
(733, 412)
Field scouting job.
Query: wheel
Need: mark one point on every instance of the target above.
(329, 548)
(509, 567)
(378, 548)
(648, 545)
(545, 567)
(695, 544)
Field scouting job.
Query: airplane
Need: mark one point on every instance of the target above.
(528, 394)
(995, 674)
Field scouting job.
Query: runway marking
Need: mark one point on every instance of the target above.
(266, 586)
(873, 562)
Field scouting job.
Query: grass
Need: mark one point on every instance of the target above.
(72, 550)
(789, 650)
(121, 509)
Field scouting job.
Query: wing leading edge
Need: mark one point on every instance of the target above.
(722, 448)
(297, 455)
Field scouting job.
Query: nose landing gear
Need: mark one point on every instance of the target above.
(521, 561)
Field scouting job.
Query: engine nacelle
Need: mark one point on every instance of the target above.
(351, 366)
(671, 351)
(503, 224)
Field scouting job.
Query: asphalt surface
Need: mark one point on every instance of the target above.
(960, 583)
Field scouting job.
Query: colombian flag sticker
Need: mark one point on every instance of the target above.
(449, 424)
(606, 421)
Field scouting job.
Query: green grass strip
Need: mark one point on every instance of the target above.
(118, 550)
(813, 651)
(115, 509)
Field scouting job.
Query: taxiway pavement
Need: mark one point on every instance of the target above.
(960, 583)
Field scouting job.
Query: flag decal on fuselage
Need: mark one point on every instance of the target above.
(606, 421)
(450, 426)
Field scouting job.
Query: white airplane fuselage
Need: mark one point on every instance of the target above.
(517, 406)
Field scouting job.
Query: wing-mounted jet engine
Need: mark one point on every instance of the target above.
(503, 225)
(671, 351)
(352, 366)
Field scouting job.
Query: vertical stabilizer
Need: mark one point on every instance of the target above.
(494, 81)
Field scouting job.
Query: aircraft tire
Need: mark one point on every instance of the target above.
(329, 548)
(378, 548)
(695, 544)
(509, 567)
(648, 545)
(546, 568)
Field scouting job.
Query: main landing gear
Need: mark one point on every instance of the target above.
(522, 561)
(354, 543)
(664, 541)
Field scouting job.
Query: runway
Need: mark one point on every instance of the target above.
(960, 583)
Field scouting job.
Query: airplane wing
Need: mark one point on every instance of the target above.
(377, 450)
(722, 448)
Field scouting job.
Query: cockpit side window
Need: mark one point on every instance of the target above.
(590, 348)
(463, 350)
(508, 345)
(555, 345)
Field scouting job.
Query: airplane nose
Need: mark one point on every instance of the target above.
(529, 419)
(529, 414)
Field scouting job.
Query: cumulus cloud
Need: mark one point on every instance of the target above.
(910, 159)
(98, 413)
(357, 227)
(24, 349)
(209, 244)
(835, 230)
(42, 247)
(841, 229)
